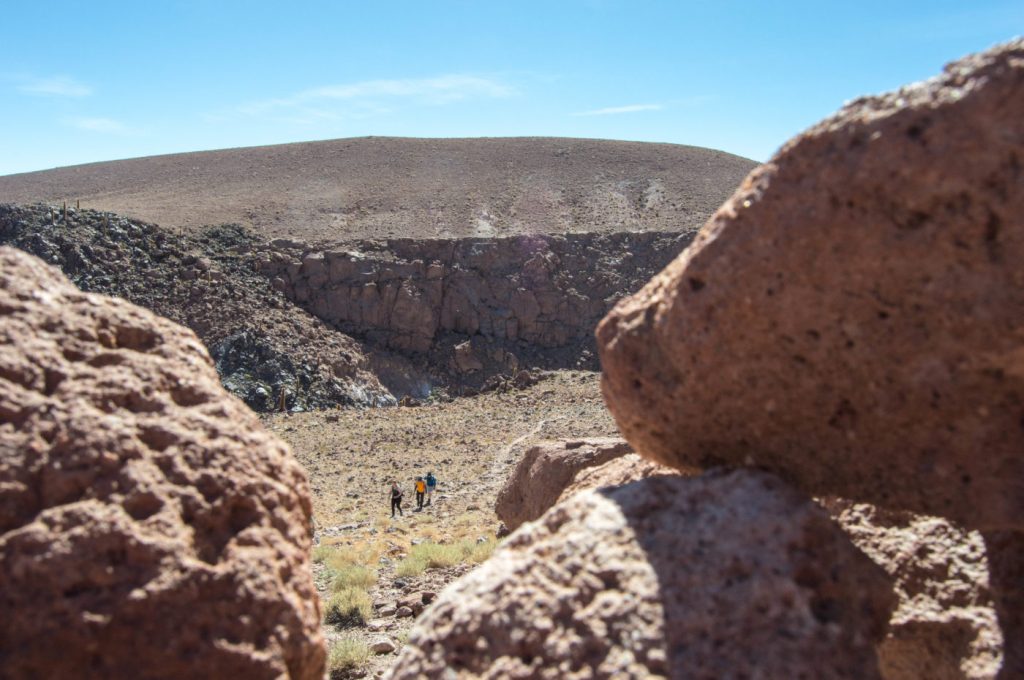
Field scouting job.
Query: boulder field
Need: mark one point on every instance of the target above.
(149, 526)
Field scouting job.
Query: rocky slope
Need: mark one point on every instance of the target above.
(379, 187)
(264, 346)
(297, 326)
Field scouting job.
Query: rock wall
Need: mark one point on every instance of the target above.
(418, 295)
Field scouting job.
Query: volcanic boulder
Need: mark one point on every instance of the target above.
(149, 526)
(945, 626)
(545, 471)
(724, 575)
(853, 317)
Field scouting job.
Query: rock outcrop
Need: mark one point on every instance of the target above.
(507, 294)
(269, 353)
(545, 470)
(721, 575)
(853, 317)
(149, 526)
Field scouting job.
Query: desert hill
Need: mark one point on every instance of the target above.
(382, 187)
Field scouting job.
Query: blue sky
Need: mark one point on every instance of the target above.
(91, 81)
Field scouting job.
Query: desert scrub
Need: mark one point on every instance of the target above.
(348, 608)
(439, 555)
(347, 576)
(347, 654)
(347, 567)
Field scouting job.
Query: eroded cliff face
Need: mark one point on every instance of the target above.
(524, 299)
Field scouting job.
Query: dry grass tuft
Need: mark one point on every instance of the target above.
(440, 555)
(348, 608)
(347, 654)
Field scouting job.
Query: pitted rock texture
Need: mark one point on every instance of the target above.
(724, 575)
(853, 317)
(149, 526)
(627, 468)
(945, 626)
(406, 294)
(545, 470)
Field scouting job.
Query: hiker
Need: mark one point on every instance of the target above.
(421, 488)
(396, 499)
(431, 485)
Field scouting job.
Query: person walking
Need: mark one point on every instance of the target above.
(421, 489)
(396, 499)
(431, 481)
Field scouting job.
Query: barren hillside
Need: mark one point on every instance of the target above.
(381, 187)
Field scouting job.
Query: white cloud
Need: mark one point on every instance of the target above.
(58, 86)
(107, 125)
(438, 90)
(613, 110)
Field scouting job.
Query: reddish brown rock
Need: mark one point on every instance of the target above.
(724, 575)
(149, 526)
(945, 627)
(853, 317)
(545, 471)
(629, 467)
(1006, 564)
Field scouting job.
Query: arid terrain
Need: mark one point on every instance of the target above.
(455, 282)
(383, 187)
(470, 444)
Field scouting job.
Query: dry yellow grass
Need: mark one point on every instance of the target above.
(346, 654)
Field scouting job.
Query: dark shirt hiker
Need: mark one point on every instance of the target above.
(396, 499)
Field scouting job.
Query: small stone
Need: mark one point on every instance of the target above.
(404, 612)
(382, 646)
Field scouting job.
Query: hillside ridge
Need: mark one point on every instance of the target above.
(387, 187)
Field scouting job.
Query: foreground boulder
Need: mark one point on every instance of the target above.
(945, 625)
(545, 470)
(149, 526)
(725, 575)
(853, 317)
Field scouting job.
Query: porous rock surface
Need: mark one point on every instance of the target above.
(545, 470)
(724, 575)
(853, 317)
(149, 526)
(945, 626)
(629, 467)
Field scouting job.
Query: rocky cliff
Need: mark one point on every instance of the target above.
(472, 305)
